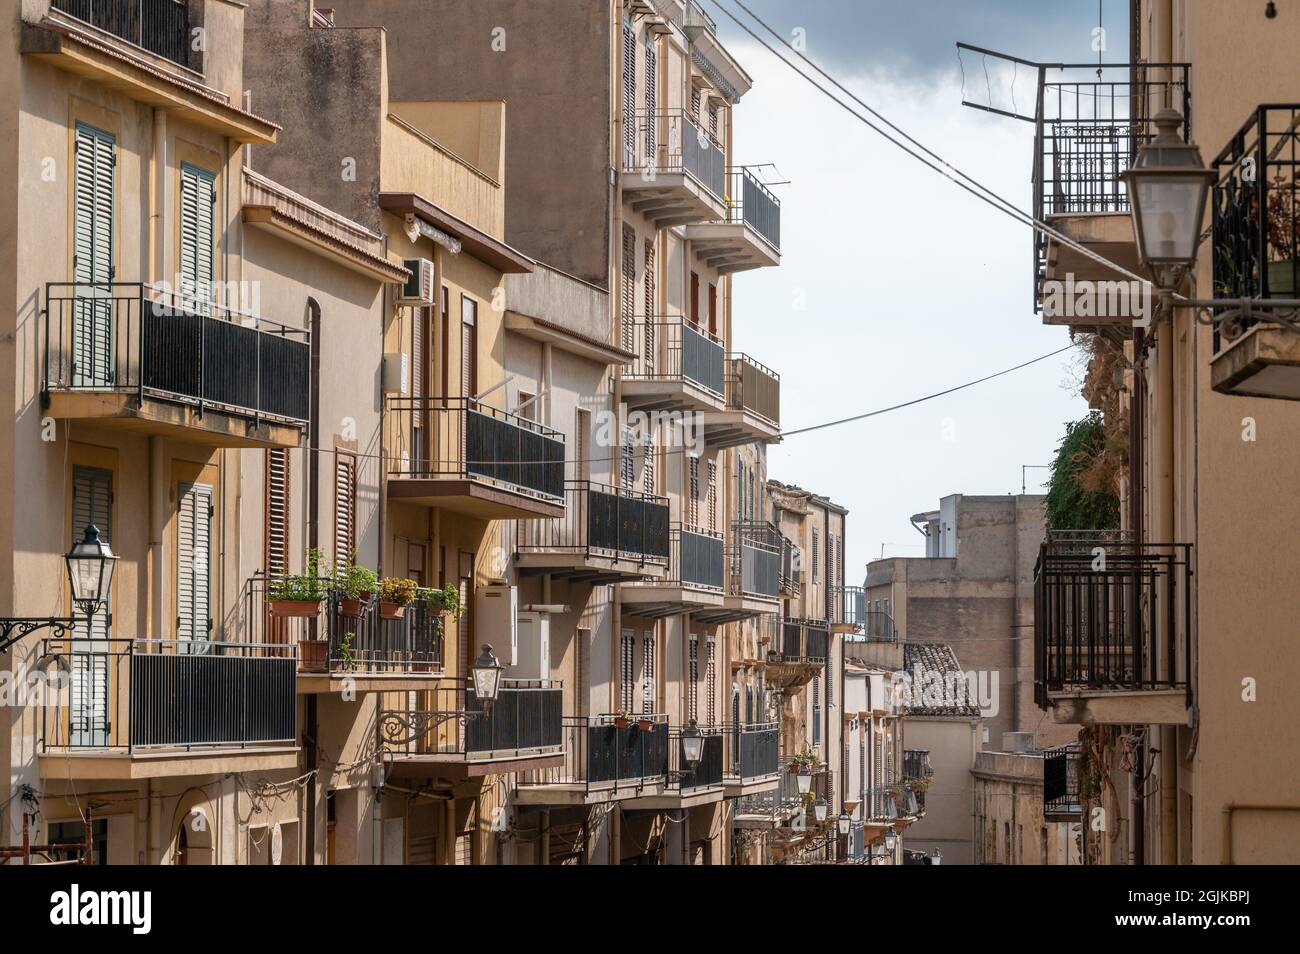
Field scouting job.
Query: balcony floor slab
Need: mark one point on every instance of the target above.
(739, 427)
(670, 198)
(731, 246)
(109, 765)
(668, 599)
(674, 800)
(457, 766)
(1123, 707)
(577, 793)
(734, 787)
(587, 567)
(177, 420)
(668, 394)
(1264, 362)
(475, 498)
(321, 683)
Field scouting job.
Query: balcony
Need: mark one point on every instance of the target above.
(1061, 784)
(753, 406)
(678, 367)
(917, 773)
(750, 235)
(128, 356)
(694, 582)
(753, 758)
(607, 535)
(602, 762)
(686, 787)
(791, 569)
(1112, 629)
(674, 172)
(160, 27)
(361, 651)
(773, 807)
(459, 454)
(1089, 126)
(137, 708)
(753, 574)
(849, 611)
(447, 733)
(799, 651)
(1257, 253)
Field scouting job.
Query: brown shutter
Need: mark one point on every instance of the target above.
(446, 341)
(627, 301)
(695, 299)
(345, 505)
(629, 94)
(651, 304)
(693, 511)
(277, 512)
(468, 346)
(713, 309)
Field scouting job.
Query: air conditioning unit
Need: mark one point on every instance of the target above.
(497, 605)
(533, 639)
(418, 290)
(396, 373)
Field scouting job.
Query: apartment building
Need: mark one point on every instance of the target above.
(1014, 824)
(1178, 713)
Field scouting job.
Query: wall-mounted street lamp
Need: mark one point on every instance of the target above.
(891, 841)
(844, 822)
(399, 728)
(803, 778)
(820, 809)
(487, 676)
(692, 745)
(90, 565)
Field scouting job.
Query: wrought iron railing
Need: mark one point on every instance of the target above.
(775, 803)
(804, 641)
(671, 142)
(1061, 783)
(602, 520)
(525, 719)
(791, 568)
(129, 337)
(602, 755)
(754, 560)
(160, 26)
(752, 203)
(880, 805)
(128, 695)
(1110, 614)
(707, 773)
(1255, 212)
(672, 348)
(461, 438)
(753, 751)
(849, 606)
(1090, 121)
(359, 640)
(753, 387)
(878, 625)
(916, 764)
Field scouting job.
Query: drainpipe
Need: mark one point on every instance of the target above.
(313, 540)
(158, 495)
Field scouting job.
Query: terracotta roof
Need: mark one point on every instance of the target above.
(938, 685)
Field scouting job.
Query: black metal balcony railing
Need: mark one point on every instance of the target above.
(753, 751)
(602, 520)
(773, 804)
(128, 337)
(526, 718)
(804, 640)
(358, 644)
(1255, 213)
(707, 773)
(755, 560)
(160, 26)
(879, 625)
(600, 755)
(916, 764)
(671, 142)
(753, 204)
(791, 568)
(461, 438)
(1110, 614)
(1089, 123)
(696, 558)
(753, 387)
(880, 805)
(127, 695)
(849, 606)
(672, 348)
(1061, 783)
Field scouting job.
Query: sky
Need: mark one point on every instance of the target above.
(895, 283)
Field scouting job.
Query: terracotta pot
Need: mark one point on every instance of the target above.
(644, 724)
(392, 610)
(295, 609)
(313, 655)
(351, 609)
(622, 723)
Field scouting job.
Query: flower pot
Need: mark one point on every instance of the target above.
(313, 655)
(351, 609)
(392, 610)
(644, 724)
(295, 609)
(1281, 278)
(621, 722)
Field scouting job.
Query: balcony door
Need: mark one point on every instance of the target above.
(193, 567)
(88, 720)
(94, 190)
(197, 236)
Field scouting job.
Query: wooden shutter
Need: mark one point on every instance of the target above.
(648, 683)
(446, 342)
(92, 504)
(93, 206)
(626, 669)
(693, 679)
(695, 299)
(651, 304)
(817, 709)
(468, 346)
(713, 309)
(695, 102)
(627, 289)
(198, 232)
(627, 462)
(345, 505)
(629, 95)
(693, 505)
(711, 682)
(713, 495)
(649, 475)
(816, 552)
(194, 563)
(651, 89)
(277, 512)
(713, 120)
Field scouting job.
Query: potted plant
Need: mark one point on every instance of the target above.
(299, 595)
(1282, 238)
(622, 718)
(354, 586)
(644, 724)
(440, 602)
(395, 594)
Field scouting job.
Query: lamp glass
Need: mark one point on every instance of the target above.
(804, 780)
(487, 675)
(692, 744)
(1169, 211)
(844, 823)
(891, 839)
(819, 811)
(90, 569)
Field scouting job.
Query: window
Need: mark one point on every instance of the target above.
(695, 102)
(581, 432)
(92, 505)
(713, 120)
(713, 309)
(527, 406)
(816, 554)
(345, 505)
(74, 832)
(651, 304)
(693, 679)
(446, 341)
(695, 299)
(629, 94)
(627, 675)
(88, 718)
(711, 682)
(817, 710)
(649, 479)
(713, 495)
(468, 346)
(693, 500)
(650, 93)
(277, 512)
(92, 259)
(627, 460)
(193, 562)
(627, 289)
(648, 683)
(197, 227)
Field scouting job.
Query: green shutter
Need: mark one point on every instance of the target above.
(193, 565)
(92, 503)
(198, 233)
(92, 225)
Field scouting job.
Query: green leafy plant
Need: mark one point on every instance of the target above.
(442, 600)
(394, 589)
(311, 586)
(1073, 501)
(807, 759)
(345, 653)
(352, 581)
